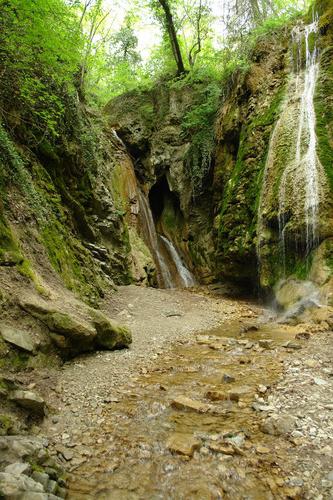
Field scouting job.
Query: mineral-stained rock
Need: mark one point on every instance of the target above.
(18, 338)
(29, 400)
(185, 403)
(183, 444)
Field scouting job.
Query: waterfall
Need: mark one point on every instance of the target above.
(294, 179)
(185, 275)
(305, 155)
(171, 271)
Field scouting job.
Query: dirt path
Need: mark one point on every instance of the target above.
(258, 422)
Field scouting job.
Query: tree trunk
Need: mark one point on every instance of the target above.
(173, 36)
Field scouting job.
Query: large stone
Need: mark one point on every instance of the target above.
(18, 338)
(73, 334)
(12, 486)
(296, 294)
(278, 425)
(185, 403)
(18, 468)
(110, 335)
(183, 444)
(29, 400)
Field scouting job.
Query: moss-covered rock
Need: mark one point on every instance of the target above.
(78, 328)
(109, 334)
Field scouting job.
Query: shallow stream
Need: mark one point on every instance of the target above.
(149, 449)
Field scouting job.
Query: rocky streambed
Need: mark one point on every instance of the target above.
(213, 400)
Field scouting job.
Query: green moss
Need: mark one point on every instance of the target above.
(6, 425)
(324, 113)
(238, 221)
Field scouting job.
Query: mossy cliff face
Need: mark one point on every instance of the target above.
(283, 229)
(58, 207)
(256, 148)
(243, 129)
(150, 124)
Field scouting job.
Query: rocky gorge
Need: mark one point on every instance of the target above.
(136, 359)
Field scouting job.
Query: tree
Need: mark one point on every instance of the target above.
(166, 18)
(196, 20)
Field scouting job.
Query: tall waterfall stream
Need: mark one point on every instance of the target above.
(302, 178)
(163, 251)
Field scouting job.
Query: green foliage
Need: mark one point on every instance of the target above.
(198, 126)
(40, 52)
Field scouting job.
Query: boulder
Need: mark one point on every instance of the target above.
(18, 338)
(73, 334)
(29, 400)
(296, 294)
(13, 486)
(278, 425)
(110, 335)
(18, 468)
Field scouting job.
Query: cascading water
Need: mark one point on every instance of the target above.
(163, 251)
(293, 159)
(306, 159)
(184, 274)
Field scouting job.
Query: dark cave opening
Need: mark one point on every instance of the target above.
(160, 196)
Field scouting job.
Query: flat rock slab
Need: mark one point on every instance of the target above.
(183, 444)
(30, 401)
(185, 403)
(18, 338)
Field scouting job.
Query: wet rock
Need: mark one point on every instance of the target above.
(216, 395)
(228, 379)
(292, 345)
(302, 336)
(18, 338)
(239, 392)
(277, 425)
(265, 343)
(183, 444)
(30, 401)
(225, 449)
(185, 403)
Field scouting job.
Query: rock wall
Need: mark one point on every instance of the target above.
(150, 125)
